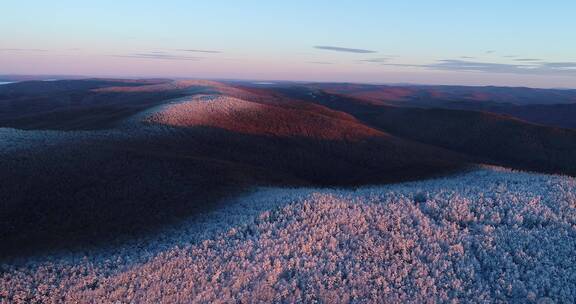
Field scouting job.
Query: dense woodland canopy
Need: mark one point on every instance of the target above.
(93, 164)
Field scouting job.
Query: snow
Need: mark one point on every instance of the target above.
(249, 117)
(16, 140)
(491, 235)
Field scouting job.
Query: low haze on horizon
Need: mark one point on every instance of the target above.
(442, 42)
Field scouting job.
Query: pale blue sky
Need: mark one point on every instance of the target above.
(457, 42)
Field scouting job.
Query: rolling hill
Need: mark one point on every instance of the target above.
(549, 107)
(491, 235)
(422, 93)
(179, 155)
(197, 191)
(488, 137)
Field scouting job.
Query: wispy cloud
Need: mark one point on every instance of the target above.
(463, 65)
(343, 49)
(561, 65)
(534, 68)
(320, 62)
(159, 55)
(23, 50)
(490, 52)
(201, 51)
(405, 65)
(467, 57)
(527, 59)
(376, 60)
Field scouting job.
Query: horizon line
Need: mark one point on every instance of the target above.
(96, 76)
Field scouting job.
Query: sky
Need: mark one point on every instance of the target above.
(511, 43)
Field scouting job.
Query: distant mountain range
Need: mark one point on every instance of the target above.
(554, 107)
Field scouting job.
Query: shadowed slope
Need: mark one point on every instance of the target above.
(553, 115)
(488, 137)
(163, 87)
(99, 186)
(34, 88)
(421, 93)
(551, 107)
(97, 191)
(79, 111)
(75, 104)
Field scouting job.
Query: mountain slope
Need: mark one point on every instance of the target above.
(431, 93)
(488, 137)
(491, 235)
(178, 158)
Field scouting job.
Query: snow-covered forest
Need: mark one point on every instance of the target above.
(223, 193)
(491, 235)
